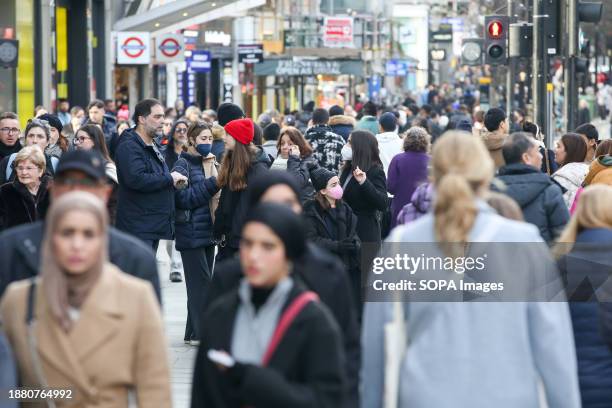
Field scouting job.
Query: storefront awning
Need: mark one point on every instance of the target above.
(181, 14)
(286, 67)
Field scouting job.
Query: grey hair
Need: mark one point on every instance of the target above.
(417, 140)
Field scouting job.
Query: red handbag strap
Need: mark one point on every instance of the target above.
(286, 319)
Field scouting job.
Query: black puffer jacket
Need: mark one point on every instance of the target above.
(540, 198)
(18, 206)
(300, 168)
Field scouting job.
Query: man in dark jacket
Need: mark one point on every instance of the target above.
(340, 123)
(77, 170)
(326, 145)
(9, 134)
(96, 113)
(145, 203)
(540, 198)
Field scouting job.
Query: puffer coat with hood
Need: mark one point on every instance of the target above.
(342, 125)
(570, 177)
(494, 142)
(540, 198)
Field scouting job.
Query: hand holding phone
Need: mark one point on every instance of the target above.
(221, 358)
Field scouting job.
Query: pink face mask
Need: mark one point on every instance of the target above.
(335, 192)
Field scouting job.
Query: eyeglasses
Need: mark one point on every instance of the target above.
(9, 130)
(25, 169)
(181, 130)
(81, 139)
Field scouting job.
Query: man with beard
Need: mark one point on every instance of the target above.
(145, 204)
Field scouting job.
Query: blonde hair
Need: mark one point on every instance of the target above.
(33, 154)
(218, 132)
(504, 205)
(462, 169)
(593, 211)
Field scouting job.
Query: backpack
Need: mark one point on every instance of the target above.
(9, 165)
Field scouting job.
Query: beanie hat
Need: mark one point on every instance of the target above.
(336, 110)
(241, 129)
(53, 121)
(464, 125)
(320, 177)
(262, 182)
(227, 112)
(388, 121)
(286, 224)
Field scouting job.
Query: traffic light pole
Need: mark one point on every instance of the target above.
(569, 68)
(511, 71)
(540, 67)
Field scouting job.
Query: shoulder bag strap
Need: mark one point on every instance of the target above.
(9, 166)
(285, 321)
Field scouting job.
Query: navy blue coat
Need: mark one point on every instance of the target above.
(193, 223)
(590, 258)
(145, 202)
(539, 196)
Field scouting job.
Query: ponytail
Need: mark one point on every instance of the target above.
(455, 211)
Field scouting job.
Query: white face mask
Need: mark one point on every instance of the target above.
(347, 153)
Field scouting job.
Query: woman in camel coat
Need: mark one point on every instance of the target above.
(97, 331)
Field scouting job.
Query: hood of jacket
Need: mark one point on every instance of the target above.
(573, 173)
(493, 140)
(524, 183)
(342, 120)
(388, 137)
(602, 163)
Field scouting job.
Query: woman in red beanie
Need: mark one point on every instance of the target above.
(240, 164)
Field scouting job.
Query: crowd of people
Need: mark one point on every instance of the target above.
(274, 225)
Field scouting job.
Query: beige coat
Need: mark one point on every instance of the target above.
(116, 344)
(210, 166)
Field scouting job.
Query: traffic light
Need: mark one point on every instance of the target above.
(496, 39)
(520, 40)
(471, 51)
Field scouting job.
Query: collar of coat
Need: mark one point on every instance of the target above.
(100, 314)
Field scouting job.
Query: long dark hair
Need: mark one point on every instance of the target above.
(575, 148)
(365, 151)
(297, 138)
(96, 135)
(185, 122)
(235, 166)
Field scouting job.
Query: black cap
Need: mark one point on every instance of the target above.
(53, 121)
(226, 112)
(336, 110)
(89, 162)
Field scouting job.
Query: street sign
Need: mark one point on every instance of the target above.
(443, 35)
(133, 48)
(338, 32)
(9, 53)
(170, 47)
(437, 54)
(250, 53)
(199, 61)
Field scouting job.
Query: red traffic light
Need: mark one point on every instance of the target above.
(495, 29)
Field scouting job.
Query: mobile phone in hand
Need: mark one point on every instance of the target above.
(221, 358)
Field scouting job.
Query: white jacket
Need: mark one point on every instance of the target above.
(389, 144)
(571, 177)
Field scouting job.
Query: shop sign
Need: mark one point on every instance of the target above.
(217, 37)
(133, 48)
(170, 47)
(397, 68)
(250, 53)
(338, 32)
(9, 53)
(309, 67)
(443, 35)
(228, 87)
(199, 61)
(437, 54)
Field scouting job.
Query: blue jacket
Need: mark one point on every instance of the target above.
(194, 226)
(590, 258)
(145, 202)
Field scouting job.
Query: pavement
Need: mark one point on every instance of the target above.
(182, 356)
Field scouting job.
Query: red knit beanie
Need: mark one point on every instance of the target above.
(241, 129)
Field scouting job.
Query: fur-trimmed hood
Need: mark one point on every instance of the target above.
(342, 120)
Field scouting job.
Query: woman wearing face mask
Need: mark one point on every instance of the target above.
(244, 359)
(365, 188)
(91, 328)
(295, 156)
(332, 225)
(195, 206)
